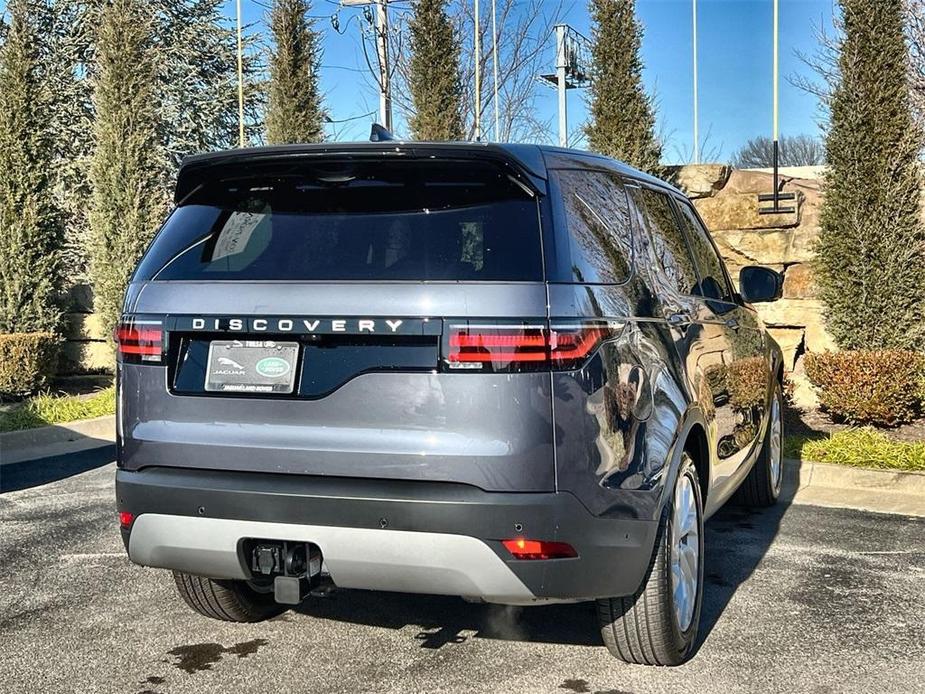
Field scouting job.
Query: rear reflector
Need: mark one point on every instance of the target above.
(126, 519)
(522, 347)
(539, 549)
(140, 340)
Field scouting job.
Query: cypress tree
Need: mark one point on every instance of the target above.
(198, 79)
(622, 123)
(127, 168)
(31, 233)
(871, 248)
(434, 81)
(294, 110)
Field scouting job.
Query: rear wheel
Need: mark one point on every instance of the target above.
(230, 601)
(658, 624)
(762, 486)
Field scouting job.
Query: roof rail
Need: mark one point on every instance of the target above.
(379, 134)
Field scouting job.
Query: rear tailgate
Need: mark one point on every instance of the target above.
(370, 392)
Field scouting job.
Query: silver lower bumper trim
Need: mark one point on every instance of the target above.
(365, 558)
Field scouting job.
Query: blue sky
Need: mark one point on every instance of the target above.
(735, 68)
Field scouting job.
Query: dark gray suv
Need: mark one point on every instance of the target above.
(511, 373)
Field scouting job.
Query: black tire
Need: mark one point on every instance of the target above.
(230, 601)
(643, 628)
(761, 488)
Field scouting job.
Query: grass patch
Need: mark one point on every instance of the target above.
(861, 447)
(46, 409)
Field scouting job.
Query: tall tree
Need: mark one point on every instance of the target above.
(622, 122)
(294, 110)
(197, 79)
(434, 81)
(128, 162)
(871, 248)
(524, 27)
(31, 233)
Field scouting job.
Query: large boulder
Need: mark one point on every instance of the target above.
(739, 211)
(800, 282)
(699, 180)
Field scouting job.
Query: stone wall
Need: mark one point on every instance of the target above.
(727, 199)
(85, 349)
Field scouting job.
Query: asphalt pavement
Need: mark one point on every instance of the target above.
(799, 599)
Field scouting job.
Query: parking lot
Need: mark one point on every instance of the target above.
(799, 599)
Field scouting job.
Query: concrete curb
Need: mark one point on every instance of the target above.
(58, 439)
(824, 484)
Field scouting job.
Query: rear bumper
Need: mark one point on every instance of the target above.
(416, 537)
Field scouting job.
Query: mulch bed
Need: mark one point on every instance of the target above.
(815, 424)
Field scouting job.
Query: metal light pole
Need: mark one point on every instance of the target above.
(573, 71)
(494, 51)
(478, 77)
(561, 65)
(241, 141)
(776, 196)
(696, 101)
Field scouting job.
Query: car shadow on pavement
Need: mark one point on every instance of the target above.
(32, 473)
(447, 620)
(736, 540)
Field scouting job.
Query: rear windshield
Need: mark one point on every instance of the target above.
(410, 220)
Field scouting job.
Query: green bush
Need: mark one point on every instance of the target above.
(880, 387)
(27, 362)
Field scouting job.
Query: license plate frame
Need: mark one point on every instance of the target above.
(266, 367)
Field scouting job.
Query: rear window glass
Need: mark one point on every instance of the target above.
(446, 220)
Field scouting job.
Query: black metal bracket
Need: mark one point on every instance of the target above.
(776, 197)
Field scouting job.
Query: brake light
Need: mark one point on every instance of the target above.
(521, 548)
(522, 347)
(140, 340)
(126, 519)
(501, 345)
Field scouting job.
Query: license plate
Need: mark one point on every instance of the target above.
(238, 366)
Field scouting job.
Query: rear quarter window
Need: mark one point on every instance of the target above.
(410, 220)
(598, 221)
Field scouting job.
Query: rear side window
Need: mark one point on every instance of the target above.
(713, 283)
(597, 214)
(668, 242)
(404, 220)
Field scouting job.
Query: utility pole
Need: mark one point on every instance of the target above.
(494, 50)
(382, 46)
(478, 77)
(241, 142)
(696, 101)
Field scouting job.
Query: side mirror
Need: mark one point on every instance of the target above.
(758, 284)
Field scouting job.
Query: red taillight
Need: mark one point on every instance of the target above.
(126, 519)
(518, 347)
(500, 345)
(521, 548)
(140, 340)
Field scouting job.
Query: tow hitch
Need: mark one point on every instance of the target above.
(295, 567)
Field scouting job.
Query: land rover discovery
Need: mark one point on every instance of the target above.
(510, 373)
